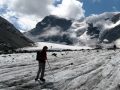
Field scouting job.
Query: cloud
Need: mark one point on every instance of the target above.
(114, 8)
(70, 9)
(39, 8)
(103, 23)
(26, 23)
(99, 17)
(3, 9)
(102, 20)
(29, 12)
(111, 25)
(53, 31)
(2, 2)
(23, 23)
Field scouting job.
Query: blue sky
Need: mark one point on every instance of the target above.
(97, 6)
(25, 15)
(100, 6)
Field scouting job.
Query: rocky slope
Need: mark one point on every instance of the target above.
(111, 33)
(10, 37)
(51, 28)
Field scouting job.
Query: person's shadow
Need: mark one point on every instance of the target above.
(48, 85)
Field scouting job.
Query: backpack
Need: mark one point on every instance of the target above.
(38, 55)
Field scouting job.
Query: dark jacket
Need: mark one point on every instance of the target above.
(42, 56)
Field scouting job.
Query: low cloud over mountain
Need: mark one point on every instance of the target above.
(52, 29)
(91, 31)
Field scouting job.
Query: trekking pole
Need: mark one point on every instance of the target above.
(51, 70)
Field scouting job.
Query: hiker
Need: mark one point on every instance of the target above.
(114, 47)
(41, 58)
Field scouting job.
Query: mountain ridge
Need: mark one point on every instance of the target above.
(94, 27)
(10, 37)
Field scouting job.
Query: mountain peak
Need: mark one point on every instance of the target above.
(51, 21)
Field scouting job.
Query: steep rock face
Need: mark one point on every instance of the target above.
(51, 28)
(111, 34)
(10, 37)
(116, 18)
(51, 21)
(93, 31)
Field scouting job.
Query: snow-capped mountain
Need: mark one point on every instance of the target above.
(103, 29)
(91, 31)
(51, 28)
(10, 37)
(51, 21)
(113, 31)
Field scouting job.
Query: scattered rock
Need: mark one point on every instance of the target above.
(54, 54)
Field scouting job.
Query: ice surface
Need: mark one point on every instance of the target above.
(39, 45)
(73, 70)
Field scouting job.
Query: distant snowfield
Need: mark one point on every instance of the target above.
(39, 45)
(73, 70)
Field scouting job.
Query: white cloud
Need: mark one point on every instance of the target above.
(40, 8)
(71, 9)
(111, 25)
(29, 12)
(21, 22)
(114, 8)
(101, 20)
(99, 17)
(2, 2)
(8, 15)
(5, 2)
(53, 31)
(27, 23)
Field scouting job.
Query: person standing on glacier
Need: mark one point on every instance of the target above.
(41, 58)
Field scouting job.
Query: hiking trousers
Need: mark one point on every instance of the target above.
(41, 70)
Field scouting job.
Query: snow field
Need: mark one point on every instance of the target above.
(73, 70)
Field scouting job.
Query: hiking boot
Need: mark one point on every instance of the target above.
(36, 79)
(42, 79)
